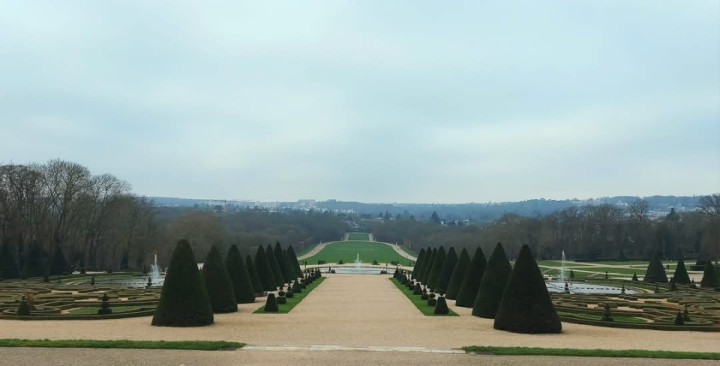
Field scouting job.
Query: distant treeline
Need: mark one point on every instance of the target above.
(585, 233)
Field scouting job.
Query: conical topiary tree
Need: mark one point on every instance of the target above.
(471, 282)
(447, 270)
(294, 261)
(681, 275)
(526, 306)
(254, 278)
(277, 273)
(282, 264)
(441, 307)
(290, 266)
(218, 283)
(271, 305)
(242, 285)
(461, 268)
(264, 271)
(497, 271)
(436, 268)
(418, 263)
(184, 300)
(655, 271)
(709, 279)
(425, 271)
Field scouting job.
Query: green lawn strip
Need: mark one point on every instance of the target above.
(349, 250)
(81, 343)
(418, 302)
(407, 250)
(359, 236)
(115, 309)
(291, 302)
(306, 250)
(574, 352)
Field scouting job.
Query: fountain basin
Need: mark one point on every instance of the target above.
(586, 288)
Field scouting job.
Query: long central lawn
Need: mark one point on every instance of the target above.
(348, 250)
(359, 236)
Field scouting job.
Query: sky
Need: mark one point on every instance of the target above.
(372, 101)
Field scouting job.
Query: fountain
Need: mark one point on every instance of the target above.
(155, 272)
(357, 260)
(562, 284)
(562, 267)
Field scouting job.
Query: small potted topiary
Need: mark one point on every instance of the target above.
(431, 299)
(441, 307)
(23, 308)
(290, 294)
(105, 306)
(607, 315)
(271, 305)
(634, 277)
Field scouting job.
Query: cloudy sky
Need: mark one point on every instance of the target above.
(375, 101)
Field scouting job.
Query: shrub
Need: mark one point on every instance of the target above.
(490, 291)
(375, 262)
(218, 283)
(341, 262)
(634, 277)
(655, 271)
(264, 271)
(320, 261)
(461, 268)
(447, 270)
(681, 275)
(526, 306)
(709, 279)
(607, 314)
(679, 320)
(471, 282)
(105, 306)
(242, 287)
(23, 308)
(436, 268)
(283, 263)
(271, 305)
(427, 264)
(184, 299)
(290, 294)
(281, 300)
(294, 261)
(441, 307)
(418, 263)
(417, 290)
(277, 273)
(254, 278)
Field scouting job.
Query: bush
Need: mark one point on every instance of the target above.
(447, 270)
(282, 260)
(458, 275)
(243, 289)
(436, 268)
(218, 283)
(418, 264)
(290, 294)
(281, 300)
(254, 278)
(271, 305)
(272, 259)
(23, 308)
(105, 306)
(375, 262)
(634, 277)
(321, 261)
(655, 271)
(709, 279)
(471, 282)
(526, 306)
(679, 320)
(681, 275)
(441, 307)
(417, 290)
(424, 272)
(341, 262)
(184, 300)
(490, 291)
(264, 271)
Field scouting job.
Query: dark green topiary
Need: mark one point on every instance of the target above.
(294, 261)
(447, 270)
(679, 320)
(436, 268)
(634, 277)
(254, 278)
(418, 263)
(441, 307)
(458, 275)
(23, 308)
(271, 305)
(218, 283)
(243, 290)
(425, 270)
(184, 300)
(282, 262)
(290, 267)
(655, 271)
(681, 275)
(105, 305)
(264, 271)
(526, 306)
(493, 284)
(277, 273)
(709, 279)
(471, 282)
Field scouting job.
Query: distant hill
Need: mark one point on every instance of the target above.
(657, 206)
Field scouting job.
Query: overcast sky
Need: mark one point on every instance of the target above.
(374, 101)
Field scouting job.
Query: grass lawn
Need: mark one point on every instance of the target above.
(291, 302)
(533, 351)
(418, 302)
(78, 343)
(348, 251)
(359, 236)
(115, 309)
(300, 252)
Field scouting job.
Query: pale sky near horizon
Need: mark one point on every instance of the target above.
(373, 101)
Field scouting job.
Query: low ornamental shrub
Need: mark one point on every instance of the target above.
(271, 305)
(441, 307)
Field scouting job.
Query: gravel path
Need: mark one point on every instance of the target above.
(360, 311)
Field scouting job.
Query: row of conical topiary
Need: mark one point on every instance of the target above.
(516, 298)
(656, 273)
(296, 287)
(190, 299)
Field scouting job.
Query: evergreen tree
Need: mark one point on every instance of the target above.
(271, 305)
(418, 263)
(425, 272)
(272, 260)
(461, 268)
(709, 276)
(493, 283)
(655, 271)
(290, 266)
(447, 270)
(441, 307)
(184, 300)
(9, 267)
(242, 285)
(681, 275)
(254, 278)
(218, 283)
(282, 263)
(526, 306)
(436, 268)
(294, 261)
(264, 271)
(471, 282)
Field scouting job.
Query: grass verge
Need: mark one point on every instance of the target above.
(291, 302)
(630, 353)
(418, 302)
(79, 343)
